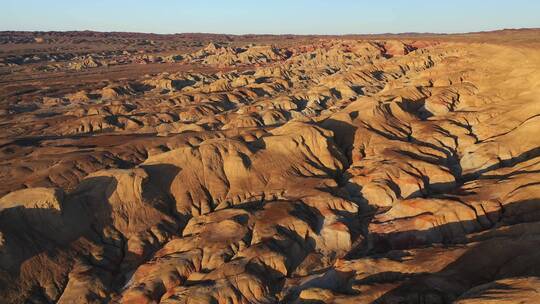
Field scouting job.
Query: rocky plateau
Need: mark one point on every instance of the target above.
(202, 169)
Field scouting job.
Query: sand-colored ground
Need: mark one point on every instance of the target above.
(138, 168)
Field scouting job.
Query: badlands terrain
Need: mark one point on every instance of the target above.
(193, 168)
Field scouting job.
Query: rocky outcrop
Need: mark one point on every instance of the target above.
(337, 171)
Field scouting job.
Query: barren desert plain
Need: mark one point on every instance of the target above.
(225, 169)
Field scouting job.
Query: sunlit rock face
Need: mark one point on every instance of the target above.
(250, 171)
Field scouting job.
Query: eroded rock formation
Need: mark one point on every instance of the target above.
(337, 171)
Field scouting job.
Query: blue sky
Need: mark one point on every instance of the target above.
(269, 16)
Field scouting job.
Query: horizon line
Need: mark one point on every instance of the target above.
(273, 34)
